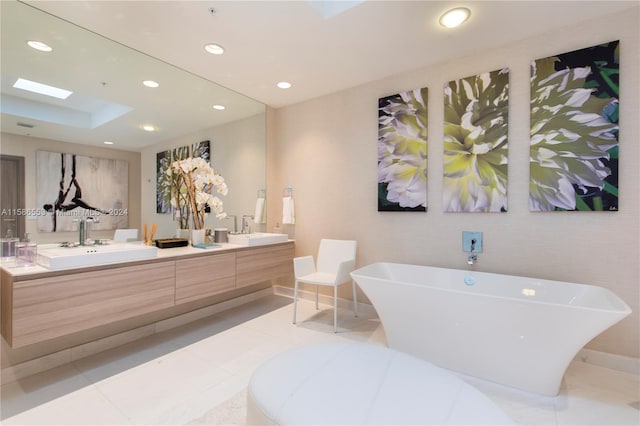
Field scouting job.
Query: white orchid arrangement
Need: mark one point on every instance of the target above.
(192, 184)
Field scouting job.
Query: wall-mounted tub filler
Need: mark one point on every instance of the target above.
(472, 244)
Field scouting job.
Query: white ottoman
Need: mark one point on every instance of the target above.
(361, 384)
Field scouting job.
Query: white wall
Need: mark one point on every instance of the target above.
(237, 153)
(326, 148)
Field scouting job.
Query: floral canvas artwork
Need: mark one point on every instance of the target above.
(163, 162)
(198, 149)
(574, 130)
(71, 187)
(402, 151)
(476, 115)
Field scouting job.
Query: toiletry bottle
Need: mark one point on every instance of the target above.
(8, 248)
(26, 252)
(277, 229)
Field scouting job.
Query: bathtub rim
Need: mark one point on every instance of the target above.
(625, 310)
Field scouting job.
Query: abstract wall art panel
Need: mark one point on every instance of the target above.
(163, 184)
(402, 151)
(476, 119)
(574, 130)
(70, 187)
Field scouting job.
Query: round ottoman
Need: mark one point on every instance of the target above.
(358, 384)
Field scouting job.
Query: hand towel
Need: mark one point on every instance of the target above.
(288, 212)
(259, 215)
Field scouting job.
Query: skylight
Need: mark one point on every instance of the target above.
(42, 89)
(330, 8)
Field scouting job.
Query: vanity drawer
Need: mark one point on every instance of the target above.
(46, 308)
(264, 263)
(204, 276)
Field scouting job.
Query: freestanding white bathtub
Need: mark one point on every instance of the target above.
(517, 331)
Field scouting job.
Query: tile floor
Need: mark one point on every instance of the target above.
(198, 373)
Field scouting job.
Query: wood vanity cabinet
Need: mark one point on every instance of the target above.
(264, 263)
(48, 305)
(204, 276)
(46, 308)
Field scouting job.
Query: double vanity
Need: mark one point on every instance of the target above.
(83, 287)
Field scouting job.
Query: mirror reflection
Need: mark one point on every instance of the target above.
(105, 92)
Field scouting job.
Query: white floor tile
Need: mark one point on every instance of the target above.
(204, 401)
(39, 389)
(598, 396)
(86, 406)
(578, 410)
(227, 345)
(522, 407)
(124, 358)
(199, 373)
(146, 393)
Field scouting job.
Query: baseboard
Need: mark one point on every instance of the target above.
(608, 360)
(323, 299)
(37, 365)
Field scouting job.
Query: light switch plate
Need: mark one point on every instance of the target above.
(468, 237)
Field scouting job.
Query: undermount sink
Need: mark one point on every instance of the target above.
(257, 239)
(53, 256)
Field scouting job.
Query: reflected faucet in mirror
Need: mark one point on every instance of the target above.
(246, 223)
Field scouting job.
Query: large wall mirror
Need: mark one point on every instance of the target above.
(110, 103)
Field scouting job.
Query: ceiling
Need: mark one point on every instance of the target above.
(265, 41)
(270, 41)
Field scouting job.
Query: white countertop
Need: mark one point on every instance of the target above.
(9, 264)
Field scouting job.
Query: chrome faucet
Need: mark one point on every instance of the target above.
(84, 230)
(473, 258)
(246, 223)
(81, 230)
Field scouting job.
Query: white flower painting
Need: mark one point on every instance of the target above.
(402, 151)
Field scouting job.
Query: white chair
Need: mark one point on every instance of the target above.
(336, 260)
(124, 235)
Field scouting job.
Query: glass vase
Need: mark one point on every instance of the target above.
(197, 236)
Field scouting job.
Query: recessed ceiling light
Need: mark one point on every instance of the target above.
(214, 49)
(38, 45)
(284, 85)
(454, 17)
(42, 89)
(219, 107)
(148, 128)
(151, 83)
(108, 143)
